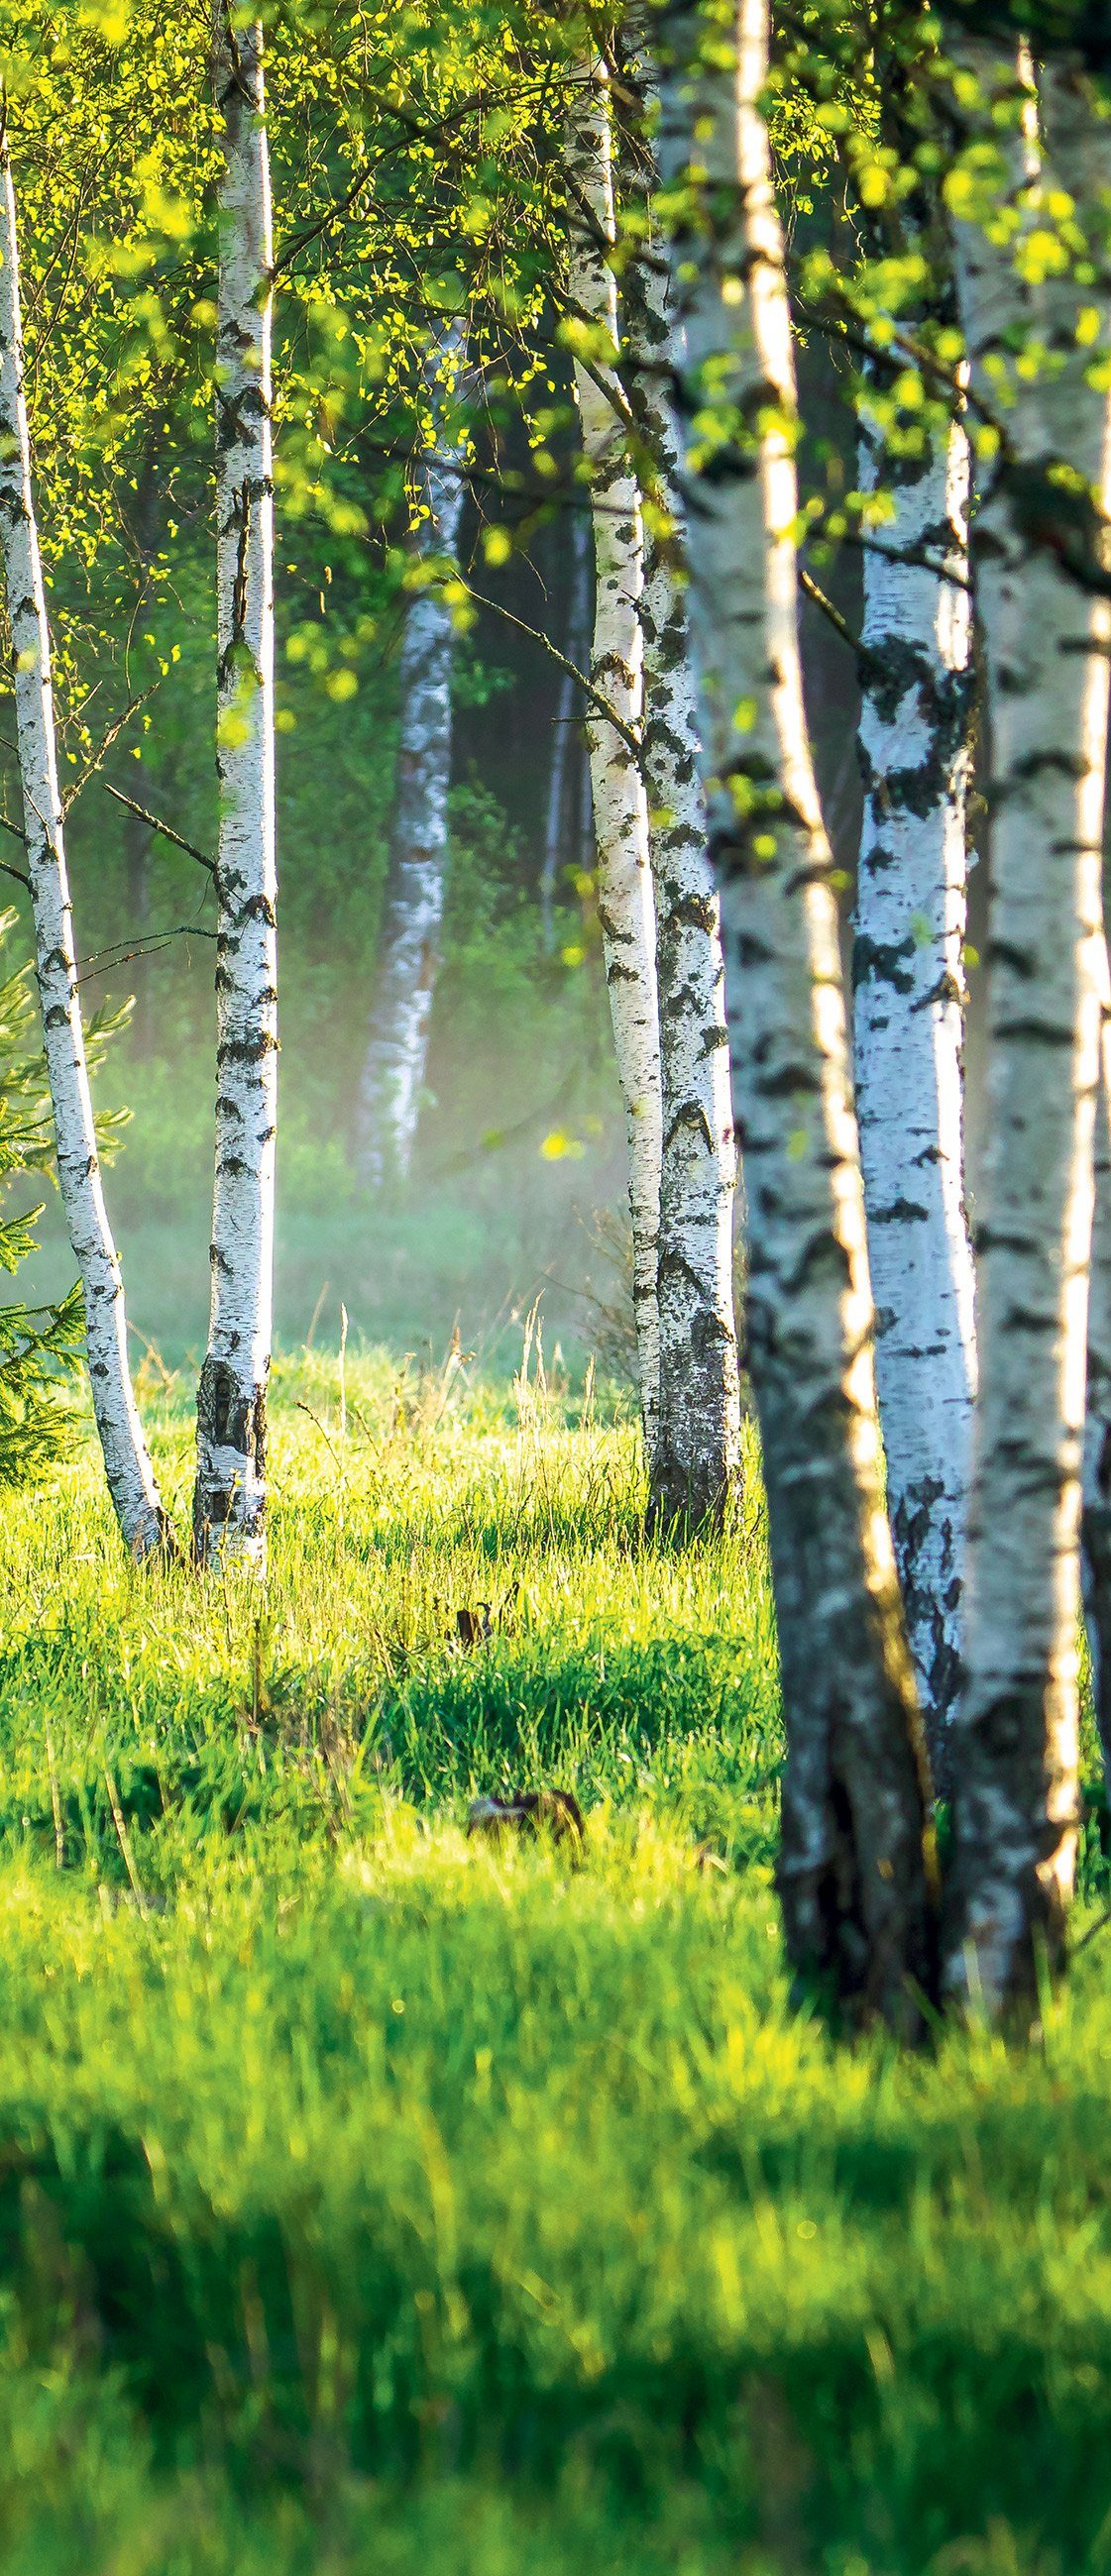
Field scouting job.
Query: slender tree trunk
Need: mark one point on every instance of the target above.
(397, 1046)
(856, 1874)
(128, 1469)
(1096, 1523)
(1046, 641)
(229, 1503)
(136, 833)
(625, 896)
(909, 1034)
(698, 1443)
(561, 819)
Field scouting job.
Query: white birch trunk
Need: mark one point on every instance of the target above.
(855, 1875)
(229, 1503)
(698, 1443)
(909, 983)
(1046, 642)
(625, 898)
(397, 1045)
(127, 1465)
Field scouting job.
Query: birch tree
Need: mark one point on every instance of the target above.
(856, 1875)
(697, 1454)
(1033, 215)
(229, 1501)
(625, 898)
(127, 1465)
(396, 1057)
(908, 1028)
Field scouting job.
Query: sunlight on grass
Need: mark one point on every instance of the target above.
(374, 2197)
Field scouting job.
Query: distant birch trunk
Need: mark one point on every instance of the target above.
(229, 1503)
(1096, 1523)
(1046, 642)
(699, 1439)
(561, 822)
(908, 972)
(127, 1466)
(856, 1871)
(625, 899)
(397, 1045)
(136, 833)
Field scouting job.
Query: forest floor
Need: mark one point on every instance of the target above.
(377, 2199)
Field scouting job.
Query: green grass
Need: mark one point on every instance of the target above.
(373, 2199)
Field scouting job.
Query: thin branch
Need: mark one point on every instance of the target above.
(536, 635)
(414, 131)
(165, 830)
(107, 961)
(815, 593)
(113, 734)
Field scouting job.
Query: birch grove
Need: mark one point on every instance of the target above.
(625, 899)
(908, 1029)
(1039, 549)
(229, 1503)
(396, 1057)
(127, 1466)
(855, 1872)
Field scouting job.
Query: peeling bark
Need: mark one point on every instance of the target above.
(397, 1045)
(698, 1445)
(908, 1031)
(1046, 640)
(229, 1502)
(625, 899)
(856, 1872)
(127, 1465)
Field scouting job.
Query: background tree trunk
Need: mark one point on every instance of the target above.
(229, 1503)
(856, 1878)
(625, 899)
(1096, 1520)
(1046, 642)
(698, 1441)
(127, 1466)
(136, 833)
(562, 832)
(409, 955)
(908, 1030)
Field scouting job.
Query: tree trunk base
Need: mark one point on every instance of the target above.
(229, 1499)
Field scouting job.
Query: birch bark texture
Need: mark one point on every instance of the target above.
(908, 1030)
(127, 1466)
(856, 1875)
(229, 1503)
(396, 1060)
(698, 1444)
(625, 896)
(1040, 549)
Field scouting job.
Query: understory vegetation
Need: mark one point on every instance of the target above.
(375, 2196)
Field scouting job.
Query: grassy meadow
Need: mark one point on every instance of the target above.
(377, 2199)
